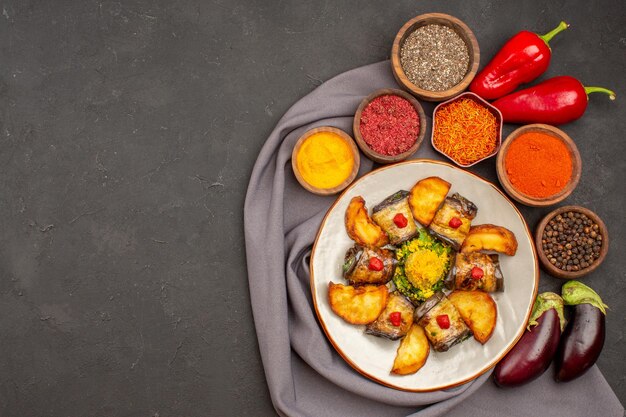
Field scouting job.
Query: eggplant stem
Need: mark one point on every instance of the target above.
(548, 36)
(544, 302)
(575, 292)
(589, 90)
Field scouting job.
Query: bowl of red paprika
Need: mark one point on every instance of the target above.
(389, 125)
(539, 165)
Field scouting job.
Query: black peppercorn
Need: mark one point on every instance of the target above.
(571, 241)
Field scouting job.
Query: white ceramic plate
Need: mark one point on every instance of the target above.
(373, 356)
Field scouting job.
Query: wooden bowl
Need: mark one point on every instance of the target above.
(369, 152)
(534, 201)
(355, 155)
(557, 272)
(440, 19)
(483, 103)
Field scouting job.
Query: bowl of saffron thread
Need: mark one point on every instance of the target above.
(466, 129)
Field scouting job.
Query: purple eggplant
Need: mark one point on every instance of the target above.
(532, 354)
(583, 338)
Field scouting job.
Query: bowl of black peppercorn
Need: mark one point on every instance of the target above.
(571, 241)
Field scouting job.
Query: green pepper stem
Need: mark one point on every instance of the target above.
(590, 90)
(548, 36)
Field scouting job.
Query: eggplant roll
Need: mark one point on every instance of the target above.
(392, 327)
(443, 225)
(442, 339)
(491, 280)
(384, 213)
(357, 269)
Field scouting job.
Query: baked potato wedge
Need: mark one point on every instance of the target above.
(357, 305)
(425, 198)
(489, 237)
(478, 311)
(360, 226)
(412, 352)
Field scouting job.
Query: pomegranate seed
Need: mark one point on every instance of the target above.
(455, 223)
(443, 321)
(400, 220)
(376, 264)
(395, 318)
(477, 273)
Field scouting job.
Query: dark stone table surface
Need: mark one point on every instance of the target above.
(128, 131)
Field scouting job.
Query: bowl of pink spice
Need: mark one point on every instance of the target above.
(389, 125)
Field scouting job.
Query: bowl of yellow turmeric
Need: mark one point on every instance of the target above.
(325, 160)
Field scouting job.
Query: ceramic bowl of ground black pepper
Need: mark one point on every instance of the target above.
(389, 125)
(571, 242)
(435, 56)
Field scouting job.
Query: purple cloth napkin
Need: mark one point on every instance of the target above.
(306, 377)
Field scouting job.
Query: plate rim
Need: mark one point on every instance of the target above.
(489, 365)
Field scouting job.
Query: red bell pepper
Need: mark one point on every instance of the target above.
(554, 101)
(522, 59)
